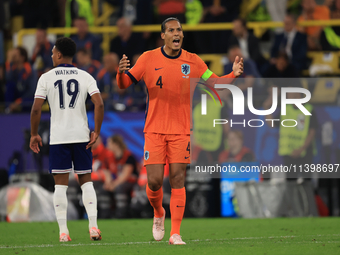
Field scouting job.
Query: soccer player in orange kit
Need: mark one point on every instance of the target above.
(166, 72)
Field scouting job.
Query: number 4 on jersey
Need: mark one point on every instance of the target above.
(159, 82)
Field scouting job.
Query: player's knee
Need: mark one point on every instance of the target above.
(177, 180)
(155, 183)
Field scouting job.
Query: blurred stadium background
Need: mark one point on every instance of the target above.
(278, 39)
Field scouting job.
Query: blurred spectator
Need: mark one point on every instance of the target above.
(330, 36)
(236, 151)
(70, 9)
(312, 11)
(193, 15)
(277, 10)
(104, 170)
(77, 8)
(126, 42)
(258, 11)
(126, 175)
(86, 63)
(296, 144)
(42, 52)
(170, 8)
(216, 11)
(20, 81)
(107, 76)
(2, 52)
(84, 39)
(282, 68)
(104, 165)
(2, 26)
(132, 98)
(194, 11)
(250, 70)
(248, 43)
(293, 43)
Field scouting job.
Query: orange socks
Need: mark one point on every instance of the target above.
(177, 207)
(156, 199)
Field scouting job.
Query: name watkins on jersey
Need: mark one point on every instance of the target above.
(65, 72)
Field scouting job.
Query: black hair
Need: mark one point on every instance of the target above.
(166, 21)
(66, 46)
(23, 53)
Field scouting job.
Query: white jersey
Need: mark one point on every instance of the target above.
(66, 88)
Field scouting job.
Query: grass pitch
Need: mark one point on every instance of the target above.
(203, 236)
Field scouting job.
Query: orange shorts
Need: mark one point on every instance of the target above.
(158, 147)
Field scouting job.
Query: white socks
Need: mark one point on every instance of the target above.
(90, 203)
(60, 207)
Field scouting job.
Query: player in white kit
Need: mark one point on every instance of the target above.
(66, 88)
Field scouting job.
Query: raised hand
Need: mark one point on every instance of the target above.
(238, 66)
(124, 64)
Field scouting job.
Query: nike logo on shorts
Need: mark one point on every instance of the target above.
(156, 69)
(186, 157)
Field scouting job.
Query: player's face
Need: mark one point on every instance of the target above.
(173, 36)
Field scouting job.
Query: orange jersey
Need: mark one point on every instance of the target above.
(168, 84)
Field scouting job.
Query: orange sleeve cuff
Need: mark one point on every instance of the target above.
(123, 80)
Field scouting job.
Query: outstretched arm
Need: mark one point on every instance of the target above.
(237, 71)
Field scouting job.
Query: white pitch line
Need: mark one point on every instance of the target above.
(155, 242)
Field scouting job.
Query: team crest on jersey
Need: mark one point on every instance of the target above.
(185, 69)
(146, 155)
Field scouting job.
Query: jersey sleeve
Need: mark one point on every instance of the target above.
(92, 86)
(41, 91)
(202, 68)
(137, 71)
